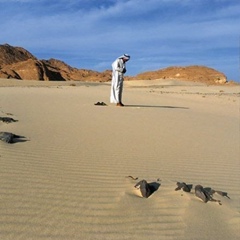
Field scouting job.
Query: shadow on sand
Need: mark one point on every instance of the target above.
(153, 106)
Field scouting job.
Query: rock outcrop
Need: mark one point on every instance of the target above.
(30, 70)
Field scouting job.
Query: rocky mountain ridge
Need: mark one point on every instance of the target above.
(18, 63)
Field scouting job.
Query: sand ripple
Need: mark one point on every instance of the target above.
(69, 180)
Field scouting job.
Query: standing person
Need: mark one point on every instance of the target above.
(118, 70)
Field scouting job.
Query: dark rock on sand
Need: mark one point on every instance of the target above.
(185, 187)
(10, 137)
(147, 189)
(205, 194)
(7, 119)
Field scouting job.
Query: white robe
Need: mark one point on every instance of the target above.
(117, 81)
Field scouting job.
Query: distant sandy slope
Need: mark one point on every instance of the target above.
(69, 180)
(189, 73)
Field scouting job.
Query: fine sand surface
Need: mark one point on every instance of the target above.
(68, 180)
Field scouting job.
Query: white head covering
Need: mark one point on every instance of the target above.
(125, 56)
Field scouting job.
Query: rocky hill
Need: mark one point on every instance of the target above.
(10, 55)
(189, 73)
(18, 63)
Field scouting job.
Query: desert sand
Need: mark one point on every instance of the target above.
(68, 179)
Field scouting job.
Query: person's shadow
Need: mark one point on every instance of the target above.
(152, 106)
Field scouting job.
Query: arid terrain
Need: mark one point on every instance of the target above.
(67, 177)
(18, 63)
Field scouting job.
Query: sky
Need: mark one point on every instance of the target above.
(91, 34)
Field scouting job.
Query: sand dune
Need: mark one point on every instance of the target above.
(68, 180)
